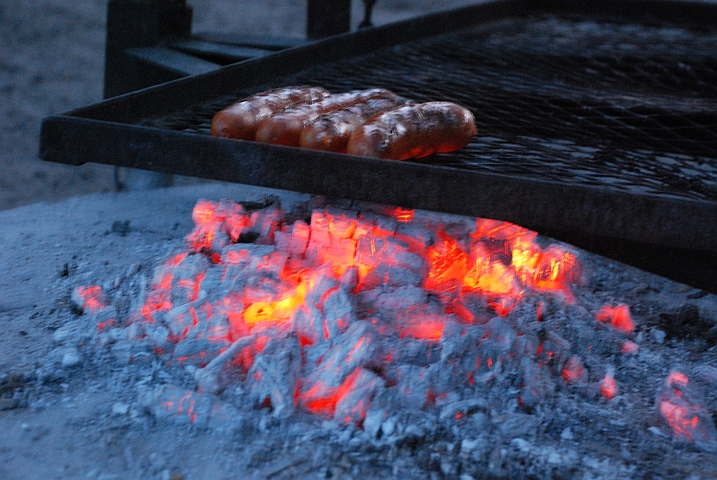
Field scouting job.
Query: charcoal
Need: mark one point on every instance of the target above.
(537, 384)
(208, 377)
(574, 371)
(376, 251)
(264, 223)
(247, 265)
(308, 322)
(132, 351)
(350, 351)
(414, 386)
(418, 236)
(373, 421)
(198, 350)
(553, 352)
(275, 374)
(395, 299)
(179, 405)
(368, 222)
(387, 275)
(463, 408)
(416, 352)
(186, 279)
(326, 312)
(681, 403)
(351, 408)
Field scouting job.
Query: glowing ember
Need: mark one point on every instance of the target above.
(333, 290)
(618, 317)
(682, 406)
(608, 386)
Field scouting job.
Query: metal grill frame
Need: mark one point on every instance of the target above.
(111, 132)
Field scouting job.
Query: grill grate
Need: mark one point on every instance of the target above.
(610, 103)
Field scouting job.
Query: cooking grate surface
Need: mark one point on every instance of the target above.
(567, 98)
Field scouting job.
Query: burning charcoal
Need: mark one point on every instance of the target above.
(537, 384)
(415, 352)
(464, 408)
(293, 239)
(131, 351)
(350, 351)
(349, 279)
(495, 345)
(373, 224)
(245, 260)
(209, 232)
(208, 377)
(182, 406)
(397, 299)
(198, 351)
(608, 386)
(326, 312)
(681, 404)
(275, 374)
(264, 223)
(376, 251)
(91, 300)
(447, 265)
(308, 323)
(187, 279)
(574, 371)
(618, 317)
(419, 237)
(414, 386)
(390, 276)
(358, 391)
(553, 352)
(630, 348)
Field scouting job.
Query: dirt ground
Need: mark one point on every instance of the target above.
(52, 61)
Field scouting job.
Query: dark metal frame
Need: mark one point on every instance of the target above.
(150, 42)
(108, 132)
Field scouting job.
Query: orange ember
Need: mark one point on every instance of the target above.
(307, 280)
(618, 317)
(608, 386)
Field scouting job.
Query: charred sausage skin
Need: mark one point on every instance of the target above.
(241, 119)
(331, 131)
(414, 131)
(286, 128)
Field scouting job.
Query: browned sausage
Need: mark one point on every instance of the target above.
(285, 128)
(331, 131)
(241, 119)
(414, 131)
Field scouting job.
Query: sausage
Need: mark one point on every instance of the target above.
(331, 131)
(285, 128)
(241, 119)
(414, 131)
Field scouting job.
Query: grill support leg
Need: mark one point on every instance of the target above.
(133, 24)
(327, 17)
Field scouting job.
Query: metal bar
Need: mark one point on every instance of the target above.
(532, 203)
(325, 18)
(267, 43)
(172, 60)
(220, 51)
(135, 24)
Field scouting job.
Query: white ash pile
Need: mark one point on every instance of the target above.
(394, 324)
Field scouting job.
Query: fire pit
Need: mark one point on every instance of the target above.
(397, 365)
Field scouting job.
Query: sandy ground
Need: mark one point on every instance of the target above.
(52, 61)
